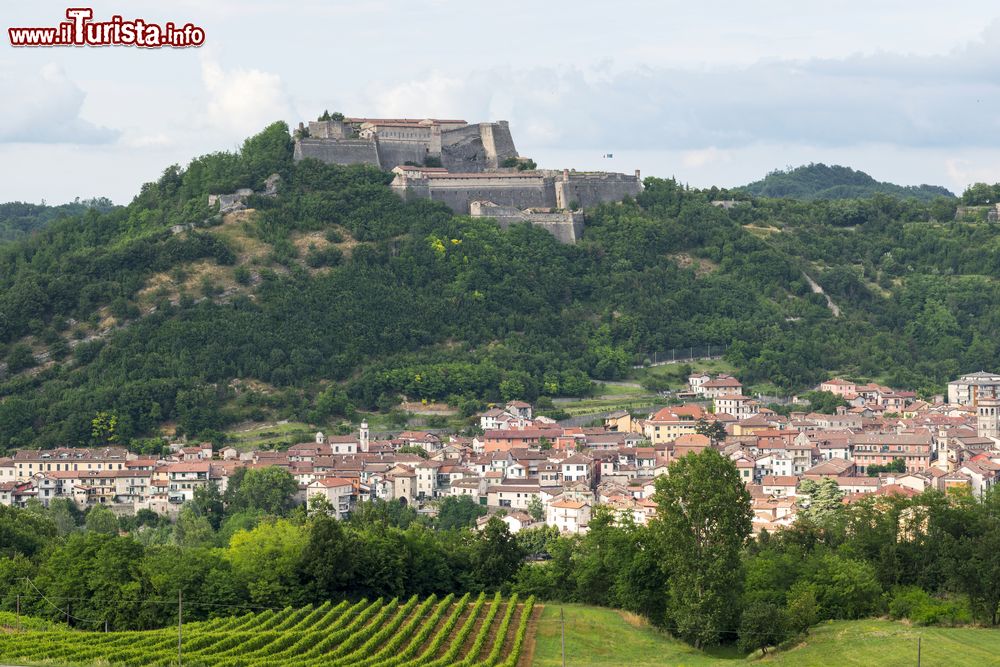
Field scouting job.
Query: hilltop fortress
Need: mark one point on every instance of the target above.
(472, 168)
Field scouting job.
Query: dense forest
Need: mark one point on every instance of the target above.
(336, 295)
(19, 219)
(819, 181)
(694, 569)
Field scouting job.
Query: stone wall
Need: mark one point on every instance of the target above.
(343, 151)
(462, 150)
(394, 153)
(468, 149)
(566, 226)
(527, 191)
(329, 129)
(497, 142)
(586, 189)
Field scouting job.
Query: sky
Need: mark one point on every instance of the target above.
(712, 93)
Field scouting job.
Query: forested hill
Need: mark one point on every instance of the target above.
(18, 219)
(818, 181)
(336, 295)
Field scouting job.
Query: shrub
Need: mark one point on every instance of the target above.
(920, 607)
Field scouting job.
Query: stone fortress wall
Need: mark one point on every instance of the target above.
(472, 178)
(567, 226)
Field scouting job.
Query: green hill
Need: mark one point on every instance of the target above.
(336, 296)
(18, 219)
(597, 636)
(818, 181)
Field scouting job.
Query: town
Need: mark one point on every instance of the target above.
(529, 470)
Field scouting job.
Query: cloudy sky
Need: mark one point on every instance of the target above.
(713, 92)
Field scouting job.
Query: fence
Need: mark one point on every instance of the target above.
(681, 354)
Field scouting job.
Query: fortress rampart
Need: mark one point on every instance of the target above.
(472, 178)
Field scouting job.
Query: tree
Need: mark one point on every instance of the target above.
(460, 512)
(536, 509)
(207, 502)
(64, 514)
(761, 625)
(193, 529)
(266, 560)
(897, 466)
(104, 428)
(496, 555)
(23, 532)
(713, 430)
(702, 522)
(20, 358)
(801, 610)
(327, 559)
(270, 490)
(820, 501)
(102, 520)
(825, 402)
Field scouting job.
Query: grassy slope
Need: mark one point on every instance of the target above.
(596, 636)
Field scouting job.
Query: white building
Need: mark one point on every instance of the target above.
(569, 516)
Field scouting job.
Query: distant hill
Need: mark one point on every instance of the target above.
(819, 181)
(19, 219)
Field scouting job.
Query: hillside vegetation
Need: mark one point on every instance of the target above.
(336, 296)
(819, 181)
(596, 636)
(19, 219)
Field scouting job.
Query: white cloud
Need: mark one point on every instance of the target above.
(698, 159)
(43, 107)
(964, 172)
(242, 101)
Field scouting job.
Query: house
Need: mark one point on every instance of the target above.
(770, 513)
(504, 440)
(568, 516)
(492, 419)
(691, 443)
(736, 405)
(966, 389)
(186, 476)
(337, 491)
(516, 521)
(427, 441)
(619, 421)
(982, 475)
(883, 448)
(696, 381)
(513, 496)
(832, 468)
(670, 423)
(720, 386)
(856, 485)
(840, 387)
(427, 479)
(784, 486)
(519, 409)
(577, 468)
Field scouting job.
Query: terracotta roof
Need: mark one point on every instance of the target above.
(568, 504)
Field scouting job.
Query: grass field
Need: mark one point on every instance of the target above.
(470, 631)
(596, 637)
(265, 436)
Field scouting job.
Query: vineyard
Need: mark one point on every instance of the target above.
(470, 632)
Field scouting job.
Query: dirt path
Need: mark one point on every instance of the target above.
(817, 289)
(528, 649)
